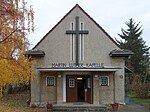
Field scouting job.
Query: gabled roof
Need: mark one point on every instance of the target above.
(66, 16)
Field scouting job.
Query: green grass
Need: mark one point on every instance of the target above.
(140, 101)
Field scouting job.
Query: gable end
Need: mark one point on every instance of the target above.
(87, 16)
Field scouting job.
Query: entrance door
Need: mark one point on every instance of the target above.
(89, 89)
(71, 88)
(79, 88)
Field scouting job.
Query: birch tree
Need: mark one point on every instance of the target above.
(16, 21)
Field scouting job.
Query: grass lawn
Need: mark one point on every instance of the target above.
(139, 101)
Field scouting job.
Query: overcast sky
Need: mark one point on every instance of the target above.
(109, 14)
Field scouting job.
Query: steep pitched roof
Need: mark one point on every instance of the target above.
(66, 16)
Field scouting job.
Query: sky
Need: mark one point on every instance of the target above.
(111, 15)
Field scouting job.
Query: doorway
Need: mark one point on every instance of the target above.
(79, 88)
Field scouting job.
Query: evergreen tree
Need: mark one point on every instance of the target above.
(132, 40)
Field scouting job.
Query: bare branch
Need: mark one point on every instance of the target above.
(7, 36)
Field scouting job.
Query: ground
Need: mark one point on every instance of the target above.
(17, 103)
(133, 108)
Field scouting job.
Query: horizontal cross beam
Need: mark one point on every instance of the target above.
(77, 32)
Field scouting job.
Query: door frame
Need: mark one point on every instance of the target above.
(74, 93)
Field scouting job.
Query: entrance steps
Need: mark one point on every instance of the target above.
(79, 108)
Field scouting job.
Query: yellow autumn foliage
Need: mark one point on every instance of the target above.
(16, 21)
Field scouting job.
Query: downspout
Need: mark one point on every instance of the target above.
(91, 84)
(40, 89)
(124, 89)
(114, 86)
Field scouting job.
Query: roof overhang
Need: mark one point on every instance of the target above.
(35, 53)
(120, 53)
(127, 70)
(78, 69)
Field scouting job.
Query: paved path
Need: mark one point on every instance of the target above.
(133, 108)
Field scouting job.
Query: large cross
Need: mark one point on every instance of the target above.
(77, 32)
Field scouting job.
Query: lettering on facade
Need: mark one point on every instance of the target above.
(59, 65)
(79, 65)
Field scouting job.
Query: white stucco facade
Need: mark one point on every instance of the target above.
(97, 46)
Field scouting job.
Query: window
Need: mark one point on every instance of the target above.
(50, 81)
(81, 26)
(81, 42)
(72, 42)
(71, 82)
(104, 81)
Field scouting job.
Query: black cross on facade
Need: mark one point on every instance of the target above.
(77, 32)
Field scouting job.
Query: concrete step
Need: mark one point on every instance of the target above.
(78, 108)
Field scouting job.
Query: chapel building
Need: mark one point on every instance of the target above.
(78, 61)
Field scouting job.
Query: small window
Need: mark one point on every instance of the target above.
(72, 42)
(104, 81)
(72, 25)
(50, 81)
(81, 25)
(71, 82)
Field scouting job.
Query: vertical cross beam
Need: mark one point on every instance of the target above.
(77, 32)
(77, 40)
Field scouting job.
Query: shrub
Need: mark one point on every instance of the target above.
(143, 90)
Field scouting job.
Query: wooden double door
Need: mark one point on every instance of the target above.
(79, 88)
